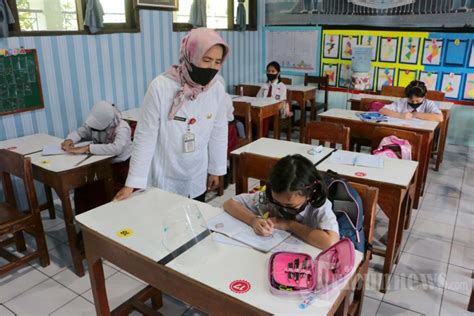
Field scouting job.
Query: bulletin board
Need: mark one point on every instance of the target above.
(20, 83)
(296, 49)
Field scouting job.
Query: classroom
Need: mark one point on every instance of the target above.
(236, 157)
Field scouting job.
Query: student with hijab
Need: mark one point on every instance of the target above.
(181, 138)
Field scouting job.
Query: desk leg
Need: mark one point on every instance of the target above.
(71, 232)
(313, 109)
(442, 141)
(49, 200)
(343, 308)
(276, 126)
(260, 127)
(302, 119)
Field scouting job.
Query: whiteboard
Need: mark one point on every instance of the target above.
(296, 49)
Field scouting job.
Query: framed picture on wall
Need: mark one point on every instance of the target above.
(430, 79)
(345, 76)
(432, 49)
(158, 4)
(331, 71)
(348, 43)
(409, 50)
(331, 46)
(385, 77)
(451, 84)
(471, 56)
(469, 87)
(405, 76)
(456, 51)
(388, 49)
(371, 40)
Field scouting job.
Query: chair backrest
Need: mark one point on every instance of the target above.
(333, 133)
(400, 92)
(246, 90)
(413, 138)
(435, 95)
(322, 82)
(12, 163)
(365, 102)
(242, 111)
(253, 166)
(286, 80)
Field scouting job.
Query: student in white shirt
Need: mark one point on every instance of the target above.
(415, 105)
(294, 200)
(181, 138)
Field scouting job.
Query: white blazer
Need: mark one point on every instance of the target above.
(158, 157)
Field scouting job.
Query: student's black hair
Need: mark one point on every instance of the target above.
(416, 88)
(275, 65)
(297, 173)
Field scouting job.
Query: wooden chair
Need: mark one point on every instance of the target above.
(470, 306)
(415, 140)
(369, 197)
(14, 221)
(246, 90)
(286, 80)
(400, 92)
(323, 85)
(252, 166)
(242, 111)
(364, 103)
(332, 133)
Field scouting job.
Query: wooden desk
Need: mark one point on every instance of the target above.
(393, 182)
(424, 128)
(200, 275)
(445, 107)
(262, 108)
(28, 144)
(59, 173)
(276, 148)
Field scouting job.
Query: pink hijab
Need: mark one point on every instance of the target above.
(193, 47)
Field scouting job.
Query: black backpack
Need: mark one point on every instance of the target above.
(347, 205)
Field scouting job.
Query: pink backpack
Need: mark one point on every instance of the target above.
(394, 147)
(375, 106)
(294, 274)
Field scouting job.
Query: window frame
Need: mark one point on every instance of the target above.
(132, 24)
(251, 23)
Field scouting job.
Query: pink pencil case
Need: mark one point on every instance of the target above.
(292, 273)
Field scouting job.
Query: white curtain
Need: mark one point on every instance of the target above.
(241, 16)
(94, 18)
(197, 16)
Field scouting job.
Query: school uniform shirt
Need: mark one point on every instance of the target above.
(401, 106)
(278, 91)
(322, 218)
(158, 157)
(114, 141)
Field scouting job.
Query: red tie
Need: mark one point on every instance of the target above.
(269, 94)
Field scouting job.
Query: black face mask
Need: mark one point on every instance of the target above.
(202, 76)
(271, 77)
(414, 105)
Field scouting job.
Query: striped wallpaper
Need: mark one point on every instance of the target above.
(78, 70)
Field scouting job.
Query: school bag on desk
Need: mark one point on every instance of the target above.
(394, 147)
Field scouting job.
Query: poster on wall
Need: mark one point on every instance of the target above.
(430, 79)
(451, 84)
(284, 46)
(432, 51)
(385, 77)
(405, 77)
(370, 40)
(388, 49)
(409, 50)
(348, 43)
(469, 87)
(330, 70)
(471, 57)
(331, 46)
(345, 76)
(456, 51)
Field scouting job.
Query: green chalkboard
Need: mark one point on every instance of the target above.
(20, 83)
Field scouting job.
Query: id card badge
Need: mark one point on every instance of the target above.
(189, 142)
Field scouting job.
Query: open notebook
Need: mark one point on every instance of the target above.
(237, 230)
(354, 159)
(49, 150)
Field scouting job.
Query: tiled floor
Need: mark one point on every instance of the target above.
(432, 277)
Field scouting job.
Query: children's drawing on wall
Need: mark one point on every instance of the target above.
(385, 77)
(471, 57)
(345, 76)
(450, 85)
(330, 70)
(410, 48)
(372, 41)
(348, 43)
(432, 51)
(405, 77)
(331, 46)
(388, 49)
(430, 79)
(469, 87)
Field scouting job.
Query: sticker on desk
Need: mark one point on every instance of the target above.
(240, 286)
(360, 174)
(45, 162)
(124, 233)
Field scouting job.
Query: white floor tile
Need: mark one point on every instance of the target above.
(438, 215)
(48, 223)
(446, 189)
(372, 284)
(5, 311)
(18, 281)
(389, 310)
(58, 232)
(60, 259)
(465, 220)
(464, 237)
(415, 296)
(429, 248)
(431, 229)
(467, 191)
(440, 201)
(466, 205)
(41, 299)
(51, 242)
(120, 287)
(459, 280)
(421, 269)
(78, 306)
(454, 304)
(462, 256)
(444, 179)
(172, 306)
(370, 306)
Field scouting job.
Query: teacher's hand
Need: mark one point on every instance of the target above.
(124, 193)
(212, 182)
